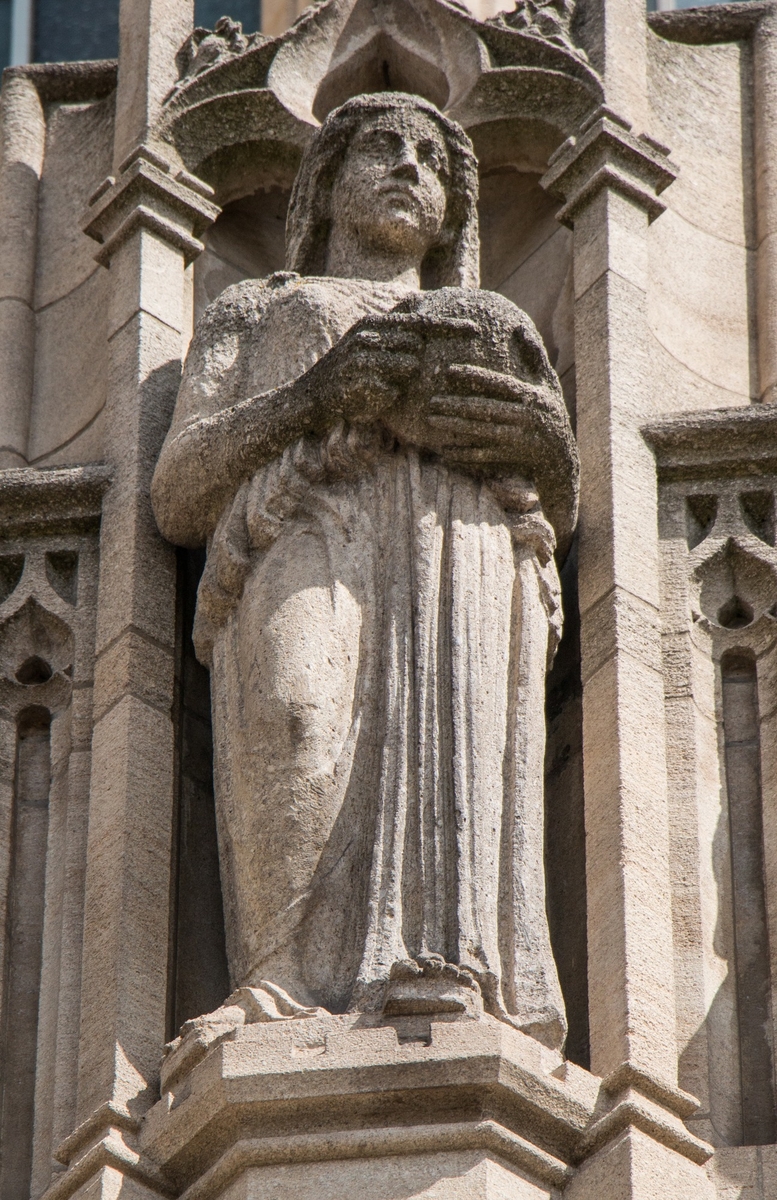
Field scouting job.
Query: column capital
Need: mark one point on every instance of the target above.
(606, 154)
(147, 194)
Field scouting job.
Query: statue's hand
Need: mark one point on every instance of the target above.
(367, 372)
(481, 416)
(468, 414)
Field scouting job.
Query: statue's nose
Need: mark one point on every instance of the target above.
(407, 165)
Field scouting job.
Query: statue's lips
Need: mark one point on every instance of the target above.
(397, 192)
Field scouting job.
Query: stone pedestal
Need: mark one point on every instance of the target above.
(345, 1107)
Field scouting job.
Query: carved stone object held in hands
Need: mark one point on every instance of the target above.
(382, 474)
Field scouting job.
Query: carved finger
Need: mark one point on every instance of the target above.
(394, 363)
(491, 383)
(425, 327)
(403, 339)
(423, 324)
(478, 408)
(463, 431)
(390, 339)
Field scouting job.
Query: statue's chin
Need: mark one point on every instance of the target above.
(397, 231)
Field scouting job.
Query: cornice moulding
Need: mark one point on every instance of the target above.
(42, 500)
(730, 441)
(147, 195)
(606, 154)
(69, 82)
(708, 25)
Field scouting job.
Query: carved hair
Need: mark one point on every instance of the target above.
(453, 261)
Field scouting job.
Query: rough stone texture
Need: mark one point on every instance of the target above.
(23, 137)
(625, 777)
(70, 291)
(411, 600)
(650, 300)
(717, 543)
(440, 1089)
(702, 252)
(46, 624)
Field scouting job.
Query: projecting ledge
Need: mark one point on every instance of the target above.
(696, 445)
(344, 1105)
(33, 499)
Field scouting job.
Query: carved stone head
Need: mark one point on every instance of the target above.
(452, 256)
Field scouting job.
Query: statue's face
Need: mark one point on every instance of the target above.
(392, 188)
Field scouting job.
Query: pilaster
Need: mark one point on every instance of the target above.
(151, 32)
(765, 121)
(614, 34)
(610, 182)
(147, 220)
(21, 162)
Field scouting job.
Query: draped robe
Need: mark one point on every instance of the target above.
(378, 629)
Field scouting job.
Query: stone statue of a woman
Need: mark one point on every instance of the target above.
(378, 471)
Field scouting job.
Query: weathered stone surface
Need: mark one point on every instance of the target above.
(70, 360)
(367, 633)
(79, 145)
(380, 601)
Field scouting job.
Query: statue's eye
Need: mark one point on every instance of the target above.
(431, 156)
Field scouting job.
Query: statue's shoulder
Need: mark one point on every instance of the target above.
(251, 301)
(245, 302)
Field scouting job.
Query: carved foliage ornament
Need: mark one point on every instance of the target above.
(205, 48)
(547, 19)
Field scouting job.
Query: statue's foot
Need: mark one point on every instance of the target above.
(429, 985)
(246, 1006)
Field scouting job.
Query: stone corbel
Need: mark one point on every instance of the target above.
(606, 154)
(636, 1099)
(106, 1141)
(177, 207)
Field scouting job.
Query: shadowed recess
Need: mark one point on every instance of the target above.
(25, 938)
(34, 670)
(758, 512)
(701, 512)
(11, 567)
(565, 822)
(735, 614)
(62, 573)
(199, 978)
(743, 781)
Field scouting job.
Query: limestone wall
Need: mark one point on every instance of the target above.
(701, 302)
(71, 290)
(656, 299)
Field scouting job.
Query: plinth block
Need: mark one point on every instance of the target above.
(444, 1176)
(349, 1106)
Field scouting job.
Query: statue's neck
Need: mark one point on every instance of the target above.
(346, 259)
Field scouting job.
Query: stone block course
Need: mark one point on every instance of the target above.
(529, 262)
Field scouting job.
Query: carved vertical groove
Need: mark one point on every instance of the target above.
(25, 937)
(743, 780)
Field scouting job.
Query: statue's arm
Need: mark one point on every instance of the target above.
(220, 435)
(203, 463)
(238, 404)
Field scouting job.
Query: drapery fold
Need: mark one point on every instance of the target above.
(382, 771)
